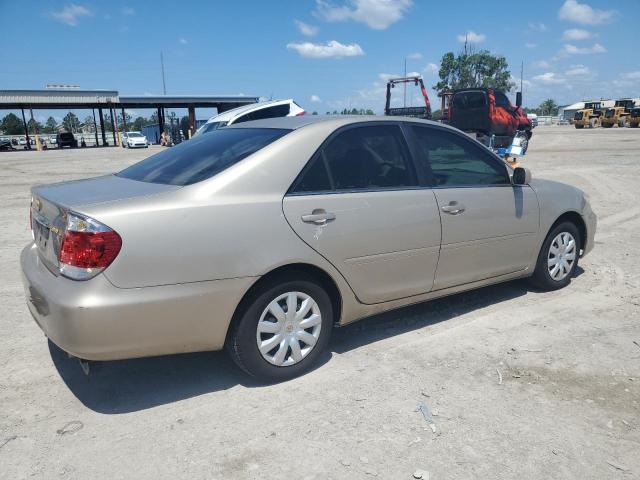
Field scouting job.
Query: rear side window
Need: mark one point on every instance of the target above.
(360, 158)
(202, 157)
(269, 112)
(502, 100)
(455, 161)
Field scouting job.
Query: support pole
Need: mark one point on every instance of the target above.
(113, 127)
(192, 121)
(26, 130)
(124, 121)
(104, 137)
(160, 124)
(116, 135)
(95, 125)
(35, 127)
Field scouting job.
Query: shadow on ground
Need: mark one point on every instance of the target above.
(131, 385)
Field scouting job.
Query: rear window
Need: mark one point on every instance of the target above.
(202, 157)
(66, 136)
(469, 100)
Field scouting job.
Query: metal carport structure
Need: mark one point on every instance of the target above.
(72, 98)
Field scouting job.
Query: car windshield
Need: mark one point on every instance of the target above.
(134, 135)
(202, 157)
(210, 127)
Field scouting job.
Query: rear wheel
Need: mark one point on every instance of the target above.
(284, 328)
(578, 126)
(594, 122)
(558, 257)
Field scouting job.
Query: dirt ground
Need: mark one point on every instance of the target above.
(520, 384)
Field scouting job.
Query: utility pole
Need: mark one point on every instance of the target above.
(521, 74)
(405, 83)
(164, 85)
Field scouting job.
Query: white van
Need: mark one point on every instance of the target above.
(254, 111)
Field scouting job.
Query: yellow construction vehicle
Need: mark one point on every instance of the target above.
(634, 117)
(618, 114)
(589, 116)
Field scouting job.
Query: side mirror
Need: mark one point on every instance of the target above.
(518, 99)
(521, 176)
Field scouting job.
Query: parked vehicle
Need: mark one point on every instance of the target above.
(533, 118)
(5, 144)
(66, 139)
(617, 115)
(254, 111)
(489, 114)
(134, 140)
(264, 235)
(53, 140)
(634, 117)
(589, 116)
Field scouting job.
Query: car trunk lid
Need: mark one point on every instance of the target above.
(50, 205)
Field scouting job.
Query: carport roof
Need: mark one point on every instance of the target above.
(76, 98)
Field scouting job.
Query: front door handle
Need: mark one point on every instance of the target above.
(454, 208)
(319, 216)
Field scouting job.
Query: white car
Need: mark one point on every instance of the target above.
(134, 140)
(254, 111)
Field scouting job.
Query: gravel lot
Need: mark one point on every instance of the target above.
(524, 384)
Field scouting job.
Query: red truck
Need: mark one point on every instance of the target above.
(486, 112)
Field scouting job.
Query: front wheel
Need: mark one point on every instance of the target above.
(558, 257)
(285, 327)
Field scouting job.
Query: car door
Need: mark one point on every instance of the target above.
(358, 204)
(489, 226)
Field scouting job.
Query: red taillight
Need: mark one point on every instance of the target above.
(300, 114)
(90, 249)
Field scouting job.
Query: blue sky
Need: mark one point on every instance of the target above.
(326, 54)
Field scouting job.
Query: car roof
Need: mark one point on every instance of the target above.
(229, 114)
(293, 123)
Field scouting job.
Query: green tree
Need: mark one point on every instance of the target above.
(34, 126)
(71, 122)
(138, 123)
(88, 123)
(471, 69)
(548, 107)
(50, 125)
(12, 125)
(128, 118)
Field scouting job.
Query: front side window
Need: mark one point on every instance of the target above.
(360, 158)
(455, 161)
(202, 157)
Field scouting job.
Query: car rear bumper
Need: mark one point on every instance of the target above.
(98, 321)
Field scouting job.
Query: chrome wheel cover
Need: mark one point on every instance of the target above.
(561, 256)
(288, 329)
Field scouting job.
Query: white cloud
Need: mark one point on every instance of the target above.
(332, 49)
(578, 70)
(537, 27)
(472, 37)
(583, 14)
(306, 29)
(573, 50)
(530, 45)
(431, 68)
(631, 75)
(183, 41)
(315, 99)
(377, 14)
(413, 74)
(415, 56)
(548, 78)
(70, 14)
(129, 11)
(576, 34)
(541, 64)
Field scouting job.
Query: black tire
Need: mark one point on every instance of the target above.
(579, 126)
(541, 278)
(241, 340)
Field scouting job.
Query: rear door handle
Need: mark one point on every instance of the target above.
(454, 208)
(319, 216)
